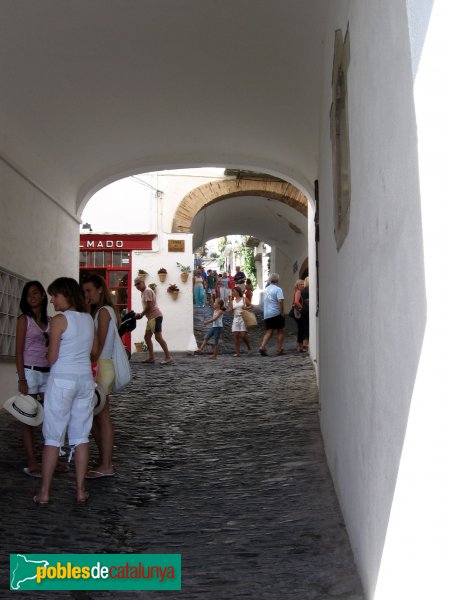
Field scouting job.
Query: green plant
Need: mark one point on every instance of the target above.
(152, 286)
(142, 272)
(248, 260)
(184, 268)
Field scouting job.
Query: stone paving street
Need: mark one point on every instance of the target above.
(221, 461)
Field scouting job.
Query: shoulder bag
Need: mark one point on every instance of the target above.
(249, 318)
(120, 360)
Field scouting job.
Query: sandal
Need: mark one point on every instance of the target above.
(33, 472)
(40, 502)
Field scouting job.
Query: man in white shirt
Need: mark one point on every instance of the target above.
(273, 314)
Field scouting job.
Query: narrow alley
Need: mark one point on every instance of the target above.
(221, 461)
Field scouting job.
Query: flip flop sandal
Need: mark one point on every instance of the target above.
(40, 502)
(97, 474)
(31, 473)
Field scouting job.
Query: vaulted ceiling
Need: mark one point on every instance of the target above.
(96, 90)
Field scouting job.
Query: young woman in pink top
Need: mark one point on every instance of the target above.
(32, 364)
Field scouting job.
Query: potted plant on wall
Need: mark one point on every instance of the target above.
(153, 286)
(173, 290)
(140, 346)
(162, 274)
(185, 270)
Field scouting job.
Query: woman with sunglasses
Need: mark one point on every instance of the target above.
(32, 363)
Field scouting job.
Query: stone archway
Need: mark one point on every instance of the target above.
(265, 186)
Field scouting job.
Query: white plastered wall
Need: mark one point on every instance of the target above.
(372, 301)
(177, 314)
(417, 552)
(37, 240)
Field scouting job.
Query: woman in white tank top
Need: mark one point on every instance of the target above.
(69, 395)
(100, 302)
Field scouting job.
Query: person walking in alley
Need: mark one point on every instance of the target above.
(215, 331)
(236, 304)
(151, 310)
(273, 314)
(239, 279)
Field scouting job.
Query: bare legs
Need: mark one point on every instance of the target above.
(268, 335)
(103, 432)
(148, 340)
(81, 466)
(161, 341)
(28, 444)
(238, 335)
(49, 462)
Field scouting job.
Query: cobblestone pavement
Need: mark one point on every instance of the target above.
(221, 461)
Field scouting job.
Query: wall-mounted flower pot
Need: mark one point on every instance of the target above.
(162, 276)
(184, 277)
(174, 295)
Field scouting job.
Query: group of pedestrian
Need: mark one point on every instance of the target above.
(240, 299)
(60, 359)
(53, 359)
(209, 285)
(57, 357)
(234, 300)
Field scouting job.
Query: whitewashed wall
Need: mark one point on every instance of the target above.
(417, 553)
(177, 314)
(372, 298)
(37, 240)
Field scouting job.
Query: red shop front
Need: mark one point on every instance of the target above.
(110, 255)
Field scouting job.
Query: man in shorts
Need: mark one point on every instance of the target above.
(273, 314)
(154, 316)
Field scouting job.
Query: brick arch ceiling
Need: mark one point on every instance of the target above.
(212, 192)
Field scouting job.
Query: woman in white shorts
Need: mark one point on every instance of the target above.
(100, 302)
(69, 398)
(32, 364)
(237, 303)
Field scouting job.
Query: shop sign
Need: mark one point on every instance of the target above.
(116, 242)
(175, 246)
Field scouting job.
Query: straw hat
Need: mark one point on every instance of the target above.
(26, 409)
(99, 399)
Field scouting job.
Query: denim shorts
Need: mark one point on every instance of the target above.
(214, 332)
